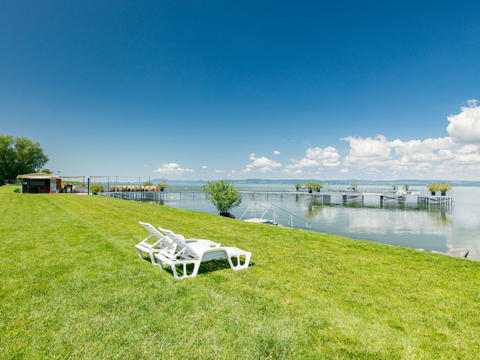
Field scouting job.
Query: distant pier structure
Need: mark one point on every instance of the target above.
(344, 198)
(351, 197)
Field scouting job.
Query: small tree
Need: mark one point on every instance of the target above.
(298, 186)
(224, 196)
(96, 188)
(318, 186)
(162, 185)
(433, 188)
(354, 187)
(406, 186)
(444, 187)
(310, 186)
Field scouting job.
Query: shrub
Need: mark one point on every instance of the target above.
(224, 196)
(96, 188)
(298, 186)
(354, 186)
(444, 187)
(162, 185)
(147, 183)
(433, 187)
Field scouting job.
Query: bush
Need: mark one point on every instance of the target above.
(310, 185)
(224, 196)
(96, 188)
(433, 187)
(162, 185)
(147, 183)
(444, 187)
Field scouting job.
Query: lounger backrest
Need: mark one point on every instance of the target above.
(151, 229)
(177, 238)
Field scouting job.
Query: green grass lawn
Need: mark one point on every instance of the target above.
(72, 286)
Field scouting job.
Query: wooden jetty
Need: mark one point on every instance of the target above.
(328, 197)
(346, 197)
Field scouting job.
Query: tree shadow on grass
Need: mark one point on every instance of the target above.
(205, 267)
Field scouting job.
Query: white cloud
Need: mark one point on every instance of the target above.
(344, 170)
(276, 152)
(293, 171)
(428, 158)
(317, 156)
(465, 126)
(218, 171)
(204, 167)
(263, 163)
(172, 168)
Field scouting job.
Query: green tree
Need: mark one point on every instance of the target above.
(310, 185)
(147, 183)
(19, 155)
(298, 186)
(162, 185)
(224, 196)
(45, 171)
(96, 188)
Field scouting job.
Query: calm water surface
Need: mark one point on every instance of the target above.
(430, 228)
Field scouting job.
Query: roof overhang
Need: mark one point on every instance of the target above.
(40, 176)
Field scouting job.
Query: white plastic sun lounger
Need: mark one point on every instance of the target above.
(165, 241)
(195, 253)
(162, 242)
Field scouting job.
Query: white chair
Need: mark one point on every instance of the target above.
(163, 243)
(196, 252)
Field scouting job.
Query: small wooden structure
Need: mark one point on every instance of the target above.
(40, 183)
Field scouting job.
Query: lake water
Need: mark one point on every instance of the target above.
(430, 228)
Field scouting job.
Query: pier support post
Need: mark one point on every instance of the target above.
(344, 198)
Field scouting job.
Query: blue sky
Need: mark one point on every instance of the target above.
(162, 88)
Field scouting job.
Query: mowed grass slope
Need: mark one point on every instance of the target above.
(72, 286)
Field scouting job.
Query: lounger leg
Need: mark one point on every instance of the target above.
(140, 253)
(195, 268)
(174, 270)
(240, 266)
(152, 258)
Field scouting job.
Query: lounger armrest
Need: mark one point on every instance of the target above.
(148, 237)
(205, 241)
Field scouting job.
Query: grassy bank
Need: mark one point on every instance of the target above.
(72, 285)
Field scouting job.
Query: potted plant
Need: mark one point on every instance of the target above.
(96, 188)
(162, 185)
(318, 186)
(224, 196)
(433, 188)
(310, 186)
(394, 187)
(298, 186)
(354, 187)
(444, 187)
(406, 187)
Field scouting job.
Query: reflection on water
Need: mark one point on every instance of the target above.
(402, 224)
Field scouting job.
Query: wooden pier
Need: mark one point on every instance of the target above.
(350, 197)
(329, 197)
